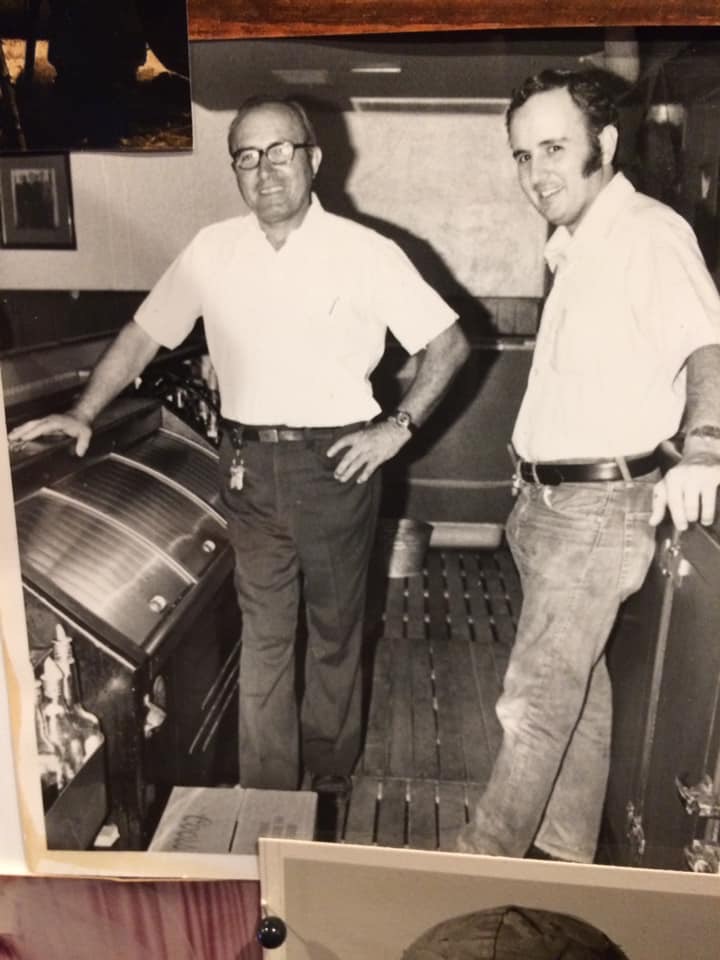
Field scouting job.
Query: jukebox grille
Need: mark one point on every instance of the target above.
(188, 463)
(109, 571)
(176, 524)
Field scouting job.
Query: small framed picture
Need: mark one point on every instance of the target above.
(36, 202)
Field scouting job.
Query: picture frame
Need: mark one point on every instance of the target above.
(36, 208)
(126, 860)
(345, 901)
(226, 19)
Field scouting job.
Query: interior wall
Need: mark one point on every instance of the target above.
(441, 183)
(444, 173)
(133, 214)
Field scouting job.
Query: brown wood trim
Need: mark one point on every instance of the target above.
(227, 19)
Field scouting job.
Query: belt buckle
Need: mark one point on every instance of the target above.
(269, 435)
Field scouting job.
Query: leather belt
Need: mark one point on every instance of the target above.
(596, 471)
(275, 434)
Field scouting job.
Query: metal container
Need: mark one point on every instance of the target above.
(403, 544)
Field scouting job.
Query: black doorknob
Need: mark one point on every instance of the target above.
(271, 932)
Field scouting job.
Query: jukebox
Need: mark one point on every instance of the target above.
(124, 553)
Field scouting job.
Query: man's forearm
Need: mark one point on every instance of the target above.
(702, 411)
(366, 449)
(689, 489)
(441, 360)
(126, 357)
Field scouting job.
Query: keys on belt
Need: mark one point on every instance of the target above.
(240, 433)
(237, 472)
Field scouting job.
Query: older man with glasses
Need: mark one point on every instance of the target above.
(296, 304)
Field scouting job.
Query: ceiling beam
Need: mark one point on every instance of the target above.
(228, 19)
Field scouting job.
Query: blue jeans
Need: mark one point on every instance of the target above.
(297, 531)
(580, 550)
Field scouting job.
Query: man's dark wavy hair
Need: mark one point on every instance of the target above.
(589, 91)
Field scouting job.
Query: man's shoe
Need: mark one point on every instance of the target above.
(331, 785)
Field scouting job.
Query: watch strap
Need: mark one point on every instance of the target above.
(403, 419)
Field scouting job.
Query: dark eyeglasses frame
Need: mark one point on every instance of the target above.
(266, 153)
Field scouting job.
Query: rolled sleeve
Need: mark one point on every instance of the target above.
(413, 311)
(170, 310)
(674, 293)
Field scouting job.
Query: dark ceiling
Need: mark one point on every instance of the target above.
(677, 64)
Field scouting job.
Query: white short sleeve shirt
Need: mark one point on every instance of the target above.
(295, 333)
(630, 301)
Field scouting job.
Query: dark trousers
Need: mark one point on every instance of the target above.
(294, 526)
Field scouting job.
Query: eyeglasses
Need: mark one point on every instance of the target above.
(279, 154)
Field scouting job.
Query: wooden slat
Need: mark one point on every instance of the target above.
(395, 607)
(400, 754)
(425, 755)
(432, 722)
(436, 603)
(391, 819)
(451, 813)
(485, 642)
(377, 739)
(478, 694)
(504, 625)
(360, 822)
(477, 600)
(483, 624)
(490, 574)
(499, 601)
(509, 573)
(457, 607)
(450, 707)
(422, 822)
(415, 607)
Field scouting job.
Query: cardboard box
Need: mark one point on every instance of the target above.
(230, 819)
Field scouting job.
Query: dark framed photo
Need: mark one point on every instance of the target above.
(36, 202)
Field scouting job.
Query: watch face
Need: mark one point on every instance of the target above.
(403, 419)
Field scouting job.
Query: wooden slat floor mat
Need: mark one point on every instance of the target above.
(432, 733)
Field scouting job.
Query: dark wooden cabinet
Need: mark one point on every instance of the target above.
(662, 806)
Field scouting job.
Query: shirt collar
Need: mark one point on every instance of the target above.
(601, 215)
(312, 219)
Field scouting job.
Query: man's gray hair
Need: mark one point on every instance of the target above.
(263, 100)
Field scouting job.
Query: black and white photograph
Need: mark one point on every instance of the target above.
(36, 202)
(364, 462)
(333, 902)
(83, 75)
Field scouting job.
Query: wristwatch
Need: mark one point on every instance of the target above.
(401, 418)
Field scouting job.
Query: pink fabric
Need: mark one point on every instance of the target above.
(54, 918)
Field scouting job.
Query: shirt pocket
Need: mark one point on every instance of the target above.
(584, 340)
